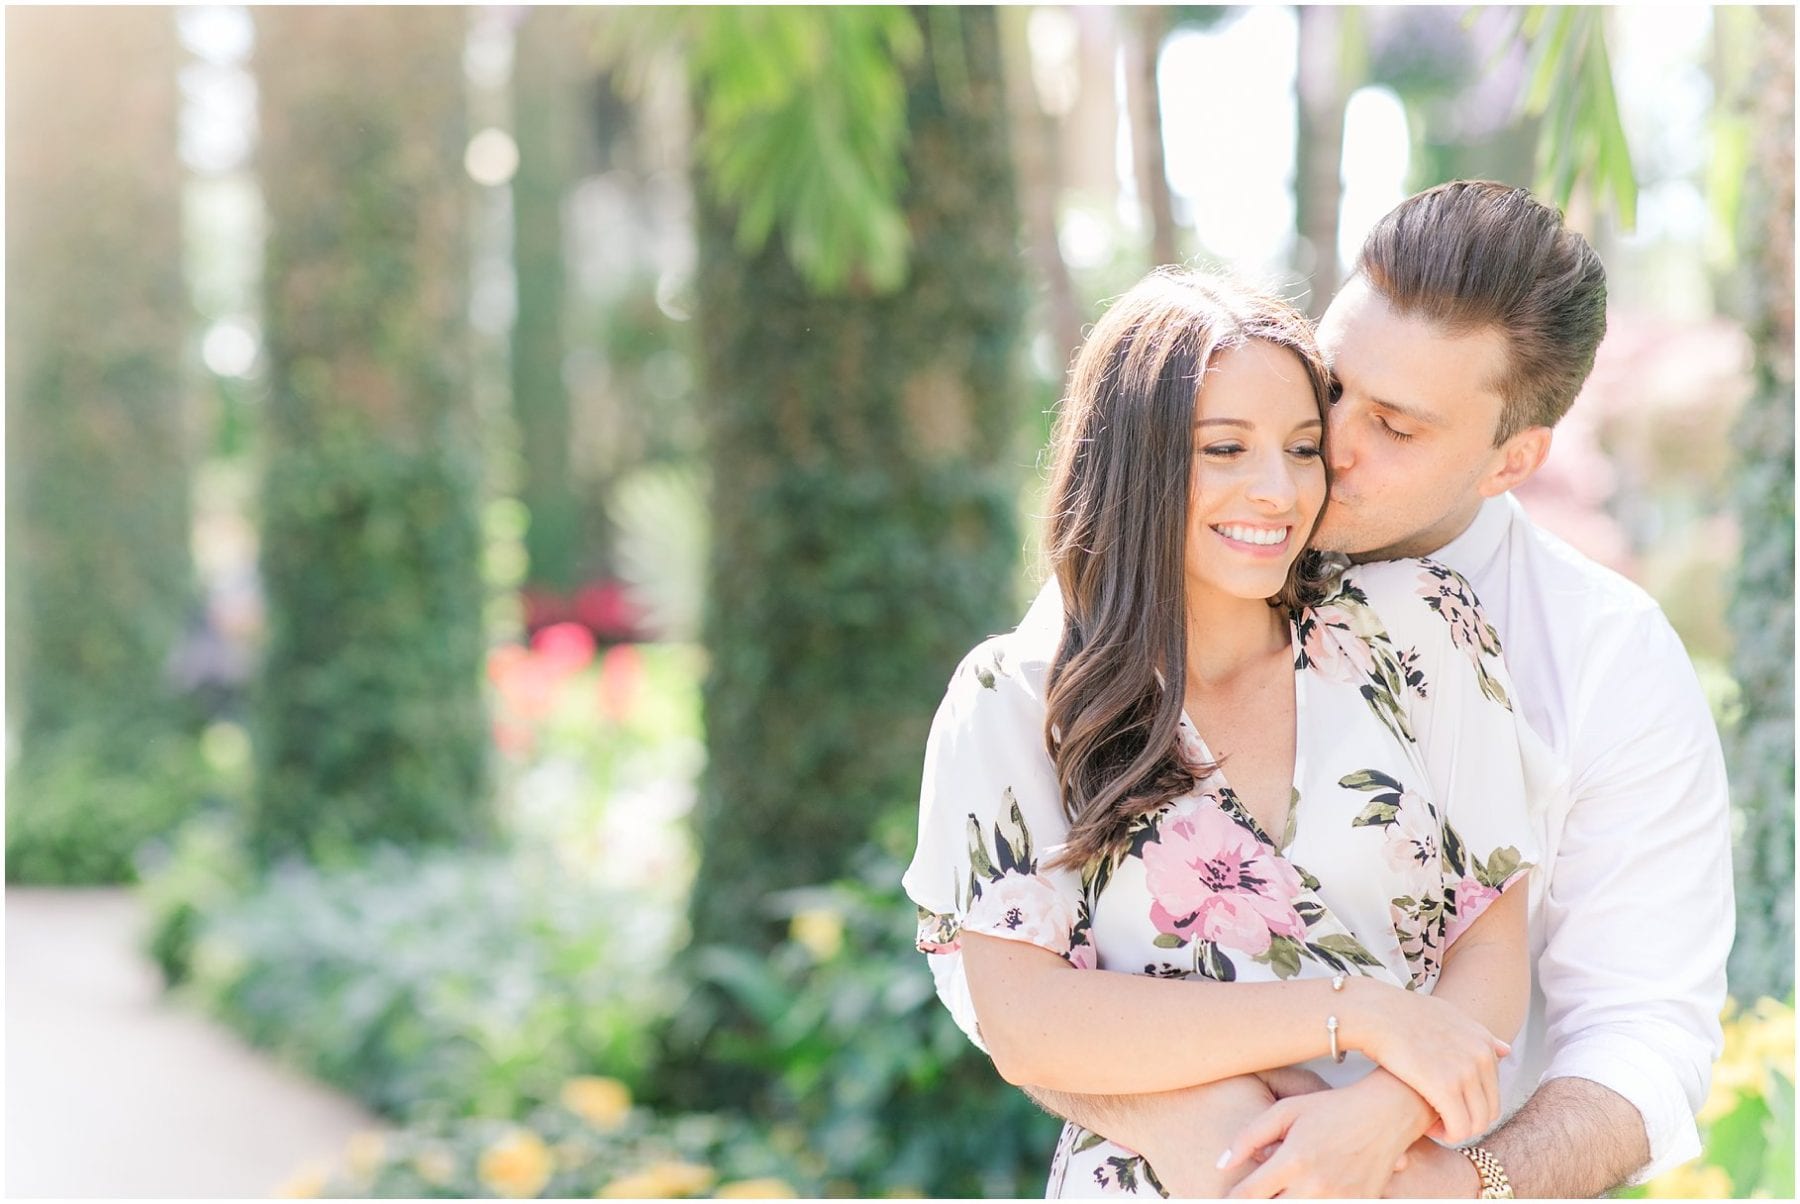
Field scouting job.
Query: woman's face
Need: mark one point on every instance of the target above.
(1259, 479)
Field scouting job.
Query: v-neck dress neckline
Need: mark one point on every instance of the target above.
(1222, 785)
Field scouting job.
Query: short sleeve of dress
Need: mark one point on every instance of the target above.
(990, 820)
(1457, 700)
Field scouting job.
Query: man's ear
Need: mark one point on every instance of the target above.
(1520, 456)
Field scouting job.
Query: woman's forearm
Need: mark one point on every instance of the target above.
(1487, 971)
(1098, 1032)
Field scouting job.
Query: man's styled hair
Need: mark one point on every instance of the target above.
(1472, 254)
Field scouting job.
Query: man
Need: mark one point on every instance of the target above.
(1461, 339)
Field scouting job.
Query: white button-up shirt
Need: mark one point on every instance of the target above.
(1631, 908)
(1631, 911)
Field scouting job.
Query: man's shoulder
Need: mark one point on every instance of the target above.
(1587, 592)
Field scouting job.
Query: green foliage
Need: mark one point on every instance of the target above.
(660, 513)
(434, 984)
(889, 1092)
(566, 1151)
(80, 803)
(802, 128)
(1570, 87)
(369, 707)
(197, 870)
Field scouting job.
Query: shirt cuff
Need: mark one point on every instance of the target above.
(1619, 1064)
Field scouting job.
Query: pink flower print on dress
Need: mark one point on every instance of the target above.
(1472, 898)
(1413, 838)
(1334, 649)
(1210, 878)
(1028, 908)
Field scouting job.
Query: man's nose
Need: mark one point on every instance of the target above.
(1340, 451)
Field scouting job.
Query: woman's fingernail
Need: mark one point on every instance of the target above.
(1223, 1159)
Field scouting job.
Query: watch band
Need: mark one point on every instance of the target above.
(1494, 1183)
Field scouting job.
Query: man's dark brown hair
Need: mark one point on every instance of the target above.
(1473, 254)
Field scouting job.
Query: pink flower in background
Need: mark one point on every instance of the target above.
(564, 647)
(525, 682)
(1210, 878)
(621, 680)
(1472, 898)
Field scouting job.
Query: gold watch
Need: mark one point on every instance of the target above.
(1494, 1183)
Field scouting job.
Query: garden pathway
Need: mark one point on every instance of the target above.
(112, 1090)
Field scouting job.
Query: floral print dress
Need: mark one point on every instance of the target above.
(1407, 818)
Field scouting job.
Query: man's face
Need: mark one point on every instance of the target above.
(1411, 441)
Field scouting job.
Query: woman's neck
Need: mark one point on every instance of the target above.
(1226, 635)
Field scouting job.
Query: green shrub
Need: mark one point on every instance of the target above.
(80, 803)
(194, 872)
(434, 985)
(866, 1062)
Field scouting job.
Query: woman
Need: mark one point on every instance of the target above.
(1214, 762)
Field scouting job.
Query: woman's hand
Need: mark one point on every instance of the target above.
(1333, 1145)
(1432, 1046)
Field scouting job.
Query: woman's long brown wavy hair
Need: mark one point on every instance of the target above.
(1121, 467)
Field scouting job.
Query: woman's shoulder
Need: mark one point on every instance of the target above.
(1009, 668)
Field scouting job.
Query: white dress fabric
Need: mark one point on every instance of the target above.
(1408, 818)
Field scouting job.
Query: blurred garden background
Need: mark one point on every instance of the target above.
(494, 496)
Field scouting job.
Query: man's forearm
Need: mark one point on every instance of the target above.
(1128, 1120)
(1573, 1138)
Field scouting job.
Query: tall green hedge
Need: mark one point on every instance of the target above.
(1762, 610)
(863, 500)
(99, 577)
(369, 723)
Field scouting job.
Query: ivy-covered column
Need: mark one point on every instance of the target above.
(1761, 750)
(863, 505)
(99, 578)
(546, 90)
(369, 722)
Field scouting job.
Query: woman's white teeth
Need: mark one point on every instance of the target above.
(1253, 534)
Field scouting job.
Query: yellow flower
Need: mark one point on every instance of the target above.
(660, 1181)
(1691, 1181)
(366, 1152)
(516, 1166)
(755, 1189)
(819, 930)
(602, 1102)
(435, 1164)
(306, 1184)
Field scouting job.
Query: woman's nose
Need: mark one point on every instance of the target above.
(1275, 483)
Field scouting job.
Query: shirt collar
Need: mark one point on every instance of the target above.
(1472, 551)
